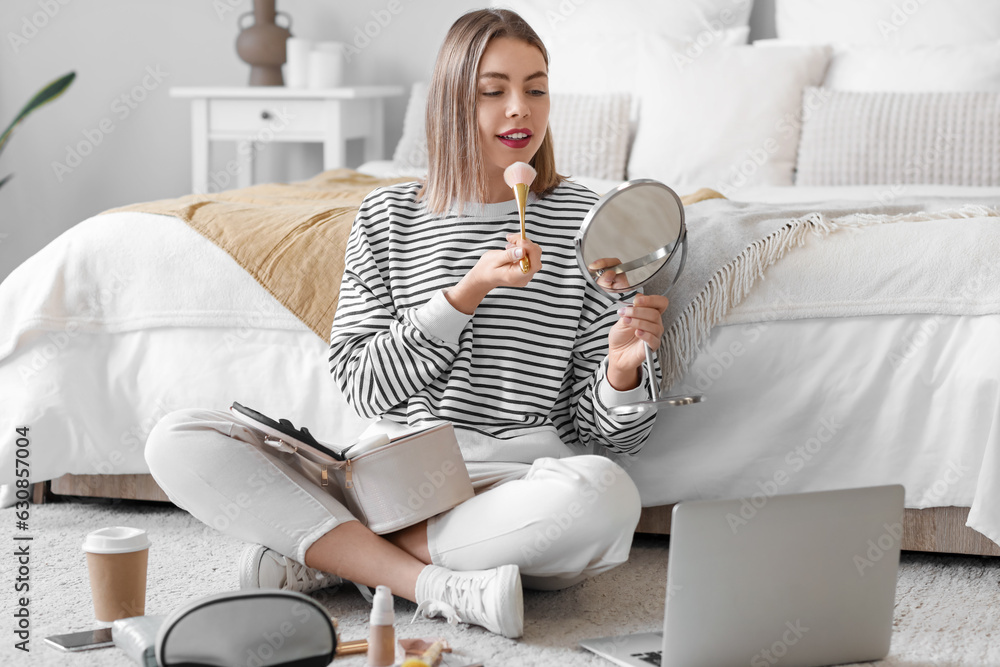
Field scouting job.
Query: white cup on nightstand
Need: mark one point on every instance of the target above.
(326, 65)
(297, 62)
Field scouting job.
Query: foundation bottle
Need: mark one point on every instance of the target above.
(381, 634)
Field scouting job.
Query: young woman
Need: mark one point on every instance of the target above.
(436, 322)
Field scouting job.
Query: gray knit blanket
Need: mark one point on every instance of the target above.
(731, 245)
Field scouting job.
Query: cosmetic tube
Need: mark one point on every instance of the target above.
(381, 634)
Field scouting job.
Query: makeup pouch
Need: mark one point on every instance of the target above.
(136, 637)
(388, 483)
(264, 628)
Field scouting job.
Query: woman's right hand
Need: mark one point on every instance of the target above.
(496, 268)
(503, 267)
(609, 280)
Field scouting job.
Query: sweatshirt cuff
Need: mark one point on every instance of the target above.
(611, 397)
(439, 319)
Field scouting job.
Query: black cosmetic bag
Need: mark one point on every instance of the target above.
(252, 628)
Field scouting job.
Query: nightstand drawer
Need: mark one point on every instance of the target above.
(256, 115)
(249, 116)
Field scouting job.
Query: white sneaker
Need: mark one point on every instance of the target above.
(492, 599)
(261, 567)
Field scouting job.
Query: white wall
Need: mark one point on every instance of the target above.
(113, 45)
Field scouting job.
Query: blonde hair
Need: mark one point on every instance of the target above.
(456, 171)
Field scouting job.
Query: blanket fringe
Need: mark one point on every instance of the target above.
(730, 285)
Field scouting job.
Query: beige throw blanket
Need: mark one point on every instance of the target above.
(290, 237)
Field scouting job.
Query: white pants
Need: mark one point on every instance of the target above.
(559, 520)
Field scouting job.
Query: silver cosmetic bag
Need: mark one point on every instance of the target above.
(388, 483)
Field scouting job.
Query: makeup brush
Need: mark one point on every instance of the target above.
(519, 176)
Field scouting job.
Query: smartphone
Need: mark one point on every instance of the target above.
(82, 641)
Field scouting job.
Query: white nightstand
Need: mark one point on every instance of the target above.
(257, 115)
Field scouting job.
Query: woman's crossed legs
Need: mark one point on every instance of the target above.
(558, 520)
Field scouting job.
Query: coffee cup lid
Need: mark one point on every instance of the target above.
(116, 540)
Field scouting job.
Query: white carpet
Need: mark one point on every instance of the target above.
(947, 607)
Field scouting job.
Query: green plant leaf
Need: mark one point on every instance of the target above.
(5, 179)
(46, 94)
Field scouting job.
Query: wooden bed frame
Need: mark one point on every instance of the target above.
(936, 529)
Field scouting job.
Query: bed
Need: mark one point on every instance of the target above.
(802, 395)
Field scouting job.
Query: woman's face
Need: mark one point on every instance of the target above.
(513, 103)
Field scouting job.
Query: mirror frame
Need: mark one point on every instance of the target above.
(595, 209)
(681, 242)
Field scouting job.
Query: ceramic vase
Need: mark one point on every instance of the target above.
(262, 43)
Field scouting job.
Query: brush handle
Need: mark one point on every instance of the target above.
(356, 647)
(432, 655)
(521, 195)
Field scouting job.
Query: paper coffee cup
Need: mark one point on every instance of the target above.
(116, 560)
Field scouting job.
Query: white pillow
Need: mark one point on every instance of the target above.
(593, 46)
(888, 22)
(607, 63)
(685, 20)
(969, 67)
(895, 139)
(590, 133)
(729, 118)
(411, 151)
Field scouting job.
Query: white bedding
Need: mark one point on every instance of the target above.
(906, 398)
(834, 404)
(885, 194)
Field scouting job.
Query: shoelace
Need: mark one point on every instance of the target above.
(468, 595)
(431, 608)
(299, 573)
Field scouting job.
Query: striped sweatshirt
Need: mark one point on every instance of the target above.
(521, 378)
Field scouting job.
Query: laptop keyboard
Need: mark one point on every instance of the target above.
(652, 657)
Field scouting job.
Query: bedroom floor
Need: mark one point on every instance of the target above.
(947, 607)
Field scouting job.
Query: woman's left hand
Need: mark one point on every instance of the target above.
(638, 324)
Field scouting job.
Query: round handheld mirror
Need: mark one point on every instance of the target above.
(629, 237)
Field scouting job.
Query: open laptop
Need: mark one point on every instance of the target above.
(799, 580)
